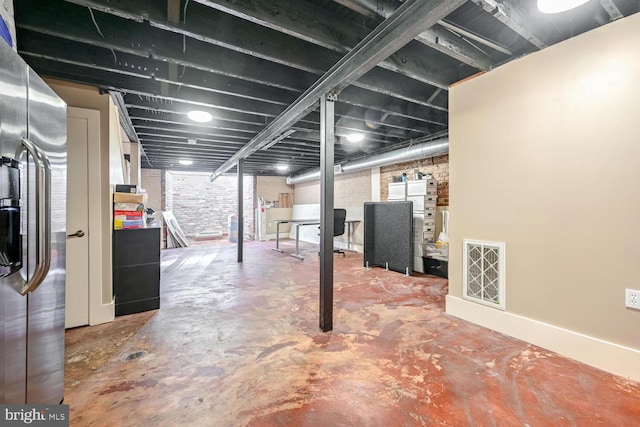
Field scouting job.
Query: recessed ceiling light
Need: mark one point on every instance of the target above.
(186, 162)
(557, 6)
(192, 141)
(199, 116)
(355, 137)
(282, 167)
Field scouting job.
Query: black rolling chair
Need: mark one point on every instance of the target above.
(339, 216)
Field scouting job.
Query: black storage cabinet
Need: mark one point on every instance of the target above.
(437, 267)
(136, 270)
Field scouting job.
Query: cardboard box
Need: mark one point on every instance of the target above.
(128, 207)
(284, 200)
(121, 224)
(129, 198)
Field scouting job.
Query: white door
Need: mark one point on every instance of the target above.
(79, 133)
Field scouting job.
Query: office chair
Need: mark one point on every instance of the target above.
(339, 216)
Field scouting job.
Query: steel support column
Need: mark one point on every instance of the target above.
(240, 208)
(327, 136)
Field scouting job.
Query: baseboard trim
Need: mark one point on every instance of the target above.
(610, 357)
(103, 313)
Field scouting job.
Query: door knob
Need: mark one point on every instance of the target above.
(78, 233)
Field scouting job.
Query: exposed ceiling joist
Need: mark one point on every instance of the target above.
(407, 21)
(611, 9)
(246, 61)
(513, 17)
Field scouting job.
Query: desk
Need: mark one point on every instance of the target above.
(300, 222)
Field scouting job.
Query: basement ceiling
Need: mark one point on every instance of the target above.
(246, 61)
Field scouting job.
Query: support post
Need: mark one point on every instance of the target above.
(240, 208)
(327, 137)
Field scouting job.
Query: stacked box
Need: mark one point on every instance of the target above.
(128, 210)
(127, 219)
(424, 195)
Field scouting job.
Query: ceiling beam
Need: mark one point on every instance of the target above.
(314, 52)
(413, 17)
(171, 47)
(515, 18)
(435, 38)
(96, 58)
(306, 21)
(611, 9)
(413, 115)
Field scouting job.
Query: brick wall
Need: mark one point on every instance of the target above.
(200, 205)
(437, 166)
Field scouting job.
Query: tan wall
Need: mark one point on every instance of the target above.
(544, 156)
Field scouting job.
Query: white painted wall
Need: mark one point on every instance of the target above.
(104, 167)
(351, 191)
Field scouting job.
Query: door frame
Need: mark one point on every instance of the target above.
(99, 312)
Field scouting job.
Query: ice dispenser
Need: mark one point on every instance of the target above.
(10, 241)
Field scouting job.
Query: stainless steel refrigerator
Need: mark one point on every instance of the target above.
(32, 235)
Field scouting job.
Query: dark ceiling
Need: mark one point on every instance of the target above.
(246, 61)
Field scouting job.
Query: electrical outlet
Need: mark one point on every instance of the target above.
(632, 299)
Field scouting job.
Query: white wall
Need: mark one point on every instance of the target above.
(351, 191)
(111, 167)
(544, 156)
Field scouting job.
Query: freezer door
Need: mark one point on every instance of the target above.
(13, 306)
(45, 335)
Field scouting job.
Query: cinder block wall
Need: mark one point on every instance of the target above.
(437, 166)
(352, 189)
(152, 182)
(270, 187)
(200, 205)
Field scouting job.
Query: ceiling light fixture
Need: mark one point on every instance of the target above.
(282, 167)
(557, 6)
(192, 141)
(355, 137)
(186, 162)
(199, 116)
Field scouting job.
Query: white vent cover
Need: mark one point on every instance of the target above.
(483, 273)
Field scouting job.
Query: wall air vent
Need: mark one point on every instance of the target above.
(484, 273)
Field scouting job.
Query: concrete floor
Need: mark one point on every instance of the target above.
(239, 345)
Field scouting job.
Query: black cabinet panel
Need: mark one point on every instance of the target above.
(436, 267)
(136, 270)
(136, 246)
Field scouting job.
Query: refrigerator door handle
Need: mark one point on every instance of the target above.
(43, 216)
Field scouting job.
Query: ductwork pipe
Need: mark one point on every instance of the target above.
(414, 152)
